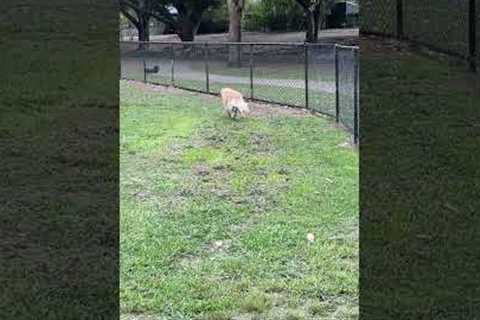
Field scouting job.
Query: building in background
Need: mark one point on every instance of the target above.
(344, 14)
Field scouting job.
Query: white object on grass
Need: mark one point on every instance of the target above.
(310, 237)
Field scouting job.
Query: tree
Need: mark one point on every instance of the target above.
(235, 10)
(215, 19)
(315, 14)
(283, 15)
(139, 13)
(186, 16)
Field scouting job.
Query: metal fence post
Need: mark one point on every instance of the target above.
(144, 69)
(356, 97)
(472, 36)
(337, 100)
(251, 71)
(400, 19)
(172, 65)
(305, 45)
(207, 75)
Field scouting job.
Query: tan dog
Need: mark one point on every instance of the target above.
(233, 103)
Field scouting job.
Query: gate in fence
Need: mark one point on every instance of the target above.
(323, 78)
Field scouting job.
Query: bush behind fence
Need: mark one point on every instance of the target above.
(321, 77)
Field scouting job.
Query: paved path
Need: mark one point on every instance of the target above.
(324, 35)
(186, 72)
(321, 86)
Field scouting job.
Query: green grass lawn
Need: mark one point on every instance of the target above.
(419, 184)
(215, 213)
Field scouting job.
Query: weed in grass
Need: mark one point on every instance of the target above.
(256, 302)
(321, 308)
(295, 315)
(217, 316)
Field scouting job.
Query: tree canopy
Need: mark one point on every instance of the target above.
(184, 16)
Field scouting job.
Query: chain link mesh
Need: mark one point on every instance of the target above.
(158, 55)
(379, 16)
(131, 65)
(279, 74)
(276, 73)
(228, 66)
(190, 66)
(321, 74)
(438, 23)
(347, 86)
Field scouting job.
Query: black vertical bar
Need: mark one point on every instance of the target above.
(355, 98)
(400, 19)
(144, 69)
(206, 68)
(472, 38)
(251, 71)
(173, 65)
(144, 63)
(337, 99)
(306, 75)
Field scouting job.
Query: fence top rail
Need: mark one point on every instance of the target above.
(293, 44)
(347, 47)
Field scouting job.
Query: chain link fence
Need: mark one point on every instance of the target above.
(448, 26)
(320, 77)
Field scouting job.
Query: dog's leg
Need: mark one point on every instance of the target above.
(235, 112)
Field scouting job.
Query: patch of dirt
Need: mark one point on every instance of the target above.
(270, 110)
(219, 167)
(143, 195)
(260, 143)
(189, 261)
(349, 144)
(201, 170)
(257, 109)
(347, 233)
(219, 245)
(283, 171)
(245, 316)
(158, 88)
(383, 46)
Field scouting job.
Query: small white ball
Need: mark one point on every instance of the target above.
(310, 237)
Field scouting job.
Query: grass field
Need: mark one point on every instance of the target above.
(419, 234)
(215, 213)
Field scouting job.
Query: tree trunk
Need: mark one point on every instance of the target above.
(314, 19)
(187, 28)
(312, 33)
(316, 24)
(235, 32)
(143, 31)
